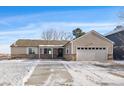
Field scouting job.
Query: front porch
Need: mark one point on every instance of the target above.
(51, 52)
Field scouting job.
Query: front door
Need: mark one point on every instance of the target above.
(60, 52)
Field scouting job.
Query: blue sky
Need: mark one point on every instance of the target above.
(29, 22)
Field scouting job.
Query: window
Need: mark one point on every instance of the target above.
(31, 51)
(41, 51)
(47, 51)
(67, 50)
(93, 48)
(82, 48)
(78, 48)
(104, 48)
(97, 48)
(89, 48)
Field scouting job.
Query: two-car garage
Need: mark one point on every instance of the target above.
(92, 47)
(91, 53)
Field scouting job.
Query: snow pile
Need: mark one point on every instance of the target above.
(13, 72)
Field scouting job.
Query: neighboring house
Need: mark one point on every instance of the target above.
(117, 36)
(90, 47)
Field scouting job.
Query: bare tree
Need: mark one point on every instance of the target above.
(52, 34)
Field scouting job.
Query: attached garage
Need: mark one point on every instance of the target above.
(91, 53)
(92, 47)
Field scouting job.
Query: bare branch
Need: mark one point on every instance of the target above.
(52, 34)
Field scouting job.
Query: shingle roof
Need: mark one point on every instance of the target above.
(117, 38)
(34, 43)
(116, 30)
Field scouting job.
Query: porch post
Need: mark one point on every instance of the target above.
(52, 52)
(39, 52)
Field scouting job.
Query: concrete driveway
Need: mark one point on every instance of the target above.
(67, 73)
(50, 73)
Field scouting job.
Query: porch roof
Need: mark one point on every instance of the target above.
(52, 46)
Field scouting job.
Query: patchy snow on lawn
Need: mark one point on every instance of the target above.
(15, 72)
(119, 62)
(50, 73)
(89, 74)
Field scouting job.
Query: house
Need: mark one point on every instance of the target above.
(90, 47)
(117, 36)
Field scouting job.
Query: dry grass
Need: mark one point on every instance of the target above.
(4, 56)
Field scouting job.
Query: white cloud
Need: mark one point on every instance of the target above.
(32, 25)
(33, 30)
(84, 26)
(37, 28)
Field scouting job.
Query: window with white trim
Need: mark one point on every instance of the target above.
(41, 50)
(47, 51)
(32, 51)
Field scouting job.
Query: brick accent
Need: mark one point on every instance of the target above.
(110, 57)
(70, 57)
(45, 56)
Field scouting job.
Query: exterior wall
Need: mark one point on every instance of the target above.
(33, 56)
(69, 47)
(90, 40)
(22, 52)
(67, 56)
(93, 40)
(70, 57)
(18, 50)
(46, 56)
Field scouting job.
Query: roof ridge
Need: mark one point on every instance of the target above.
(37, 42)
(44, 40)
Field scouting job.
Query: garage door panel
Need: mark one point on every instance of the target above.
(91, 54)
(101, 55)
(86, 55)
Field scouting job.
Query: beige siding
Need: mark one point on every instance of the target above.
(18, 50)
(69, 47)
(68, 56)
(92, 40)
(21, 50)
